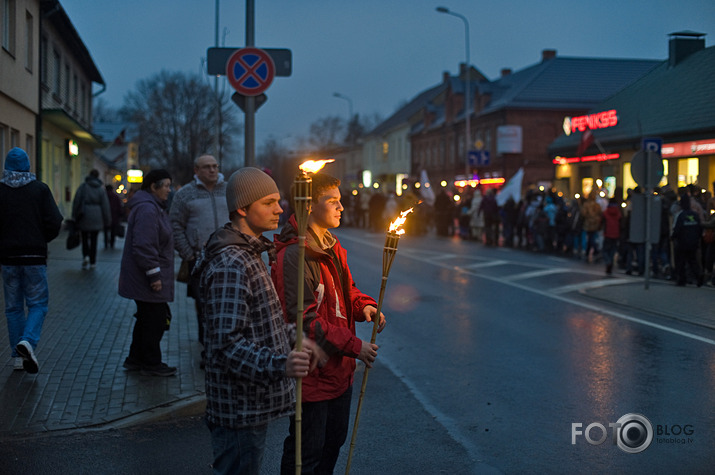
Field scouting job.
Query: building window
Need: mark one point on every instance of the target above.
(29, 41)
(14, 138)
(385, 149)
(74, 91)
(56, 69)
(3, 140)
(43, 60)
(83, 103)
(29, 141)
(67, 83)
(8, 26)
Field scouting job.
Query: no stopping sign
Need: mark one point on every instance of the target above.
(250, 71)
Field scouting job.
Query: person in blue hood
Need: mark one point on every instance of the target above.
(29, 219)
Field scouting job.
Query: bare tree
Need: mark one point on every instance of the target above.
(326, 132)
(176, 116)
(103, 112)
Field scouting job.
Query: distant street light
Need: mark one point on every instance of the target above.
(350, 104)
(467, 134)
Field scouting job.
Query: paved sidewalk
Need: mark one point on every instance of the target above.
(85, 338)
(689, 304)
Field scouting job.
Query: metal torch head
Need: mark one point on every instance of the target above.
(302, 200)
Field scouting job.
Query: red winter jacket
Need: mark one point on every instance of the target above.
(612, 221)
(332, 305)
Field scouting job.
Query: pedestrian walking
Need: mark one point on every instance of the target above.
(611, 232)
(197, 210)
(333, 304)
(249, 362)
(29, 219)
(147, 273)
(91, 212)
(687, 232)
(592, 223)
(116, 211)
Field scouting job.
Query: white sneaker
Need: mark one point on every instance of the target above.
(29, 362)
(85, 262)
(17, 364)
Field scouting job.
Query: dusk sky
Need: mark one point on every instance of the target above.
(379, 53)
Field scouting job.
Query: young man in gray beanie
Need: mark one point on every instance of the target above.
(29, 219)
(249, 362)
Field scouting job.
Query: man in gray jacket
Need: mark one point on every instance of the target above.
(197, 210)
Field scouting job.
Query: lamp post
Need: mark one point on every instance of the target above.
(467, 134)
(350, 104)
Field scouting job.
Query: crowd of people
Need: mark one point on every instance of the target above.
(593, 227)
(596, 228)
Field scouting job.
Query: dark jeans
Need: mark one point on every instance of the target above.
(89, 245)
(324, 430)
(238, 451)
(610, 246)
(148, 330)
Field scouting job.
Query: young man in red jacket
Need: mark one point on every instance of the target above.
(332, 305)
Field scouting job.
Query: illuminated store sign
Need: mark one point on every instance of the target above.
(582, 123)
(688, 149)
(601, 157)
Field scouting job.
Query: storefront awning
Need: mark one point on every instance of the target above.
(61, 119)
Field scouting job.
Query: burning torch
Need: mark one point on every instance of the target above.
(303, 184)
(392, 238)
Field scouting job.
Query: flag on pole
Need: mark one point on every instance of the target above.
(511, 189)
(587, 139)
(426, 191)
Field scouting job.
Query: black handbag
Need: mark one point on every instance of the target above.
(73, 237)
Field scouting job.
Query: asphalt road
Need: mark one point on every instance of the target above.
(493, 344)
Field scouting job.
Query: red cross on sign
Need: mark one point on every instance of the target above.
(250, 71)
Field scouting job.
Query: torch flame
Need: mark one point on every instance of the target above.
(314, 166)
(396, 225)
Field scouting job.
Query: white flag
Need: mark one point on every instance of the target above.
(426, 191)
(511, 189)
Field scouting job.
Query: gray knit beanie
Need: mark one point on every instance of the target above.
(248, 185)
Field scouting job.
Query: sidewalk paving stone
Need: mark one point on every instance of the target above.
(85, 338)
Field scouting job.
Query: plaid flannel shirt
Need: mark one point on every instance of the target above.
(247, 340)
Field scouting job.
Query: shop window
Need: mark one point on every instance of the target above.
(586, 186)
(688, 169)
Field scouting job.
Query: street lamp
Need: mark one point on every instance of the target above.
(350, 104)
(466, 84)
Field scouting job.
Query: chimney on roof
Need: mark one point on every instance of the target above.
(682, 44)
(445, 76)
(505, 72)
(548, 54)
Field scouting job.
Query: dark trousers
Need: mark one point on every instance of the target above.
(687, 258)
(324, 430)
(110, 235)
(89, 245)
(148, 330)
(193, 291)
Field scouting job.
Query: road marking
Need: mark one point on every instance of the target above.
(418, 257)
(538, 273)
(480, 265)
(594, 284)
